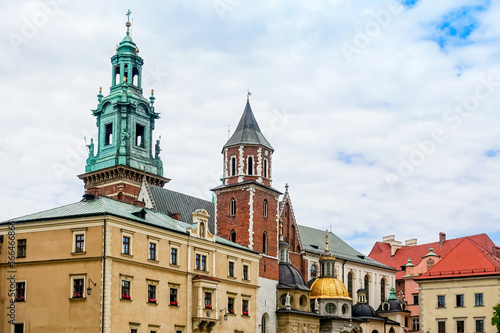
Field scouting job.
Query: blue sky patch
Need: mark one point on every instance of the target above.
(492, 152)
(455, 27)
(409, 3)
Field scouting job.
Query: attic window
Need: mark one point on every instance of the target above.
(361, 256)
(139, 135)
(314, 246)
(141, 213)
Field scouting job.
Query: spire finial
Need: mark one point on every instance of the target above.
(128, 24)
(281, 227)
(326, 240)
(286, 187)
(248, 94)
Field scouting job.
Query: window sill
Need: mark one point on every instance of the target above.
(246, 280)
(127, 255)
(78, 253)
(200, 271)
(154, 260)
(479, 306)
(231, 277)
(152, 303)
(20, 301)
(126, 299)
(176, 305)
(441, 307)
(77, 298)
(175, 265)
(21, 257)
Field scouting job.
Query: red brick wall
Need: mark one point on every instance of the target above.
(248, 151)
(120, 191)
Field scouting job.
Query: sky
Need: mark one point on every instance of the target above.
(383, 114)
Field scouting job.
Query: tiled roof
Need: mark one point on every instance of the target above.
(313, 240)
(382, 251)
(171, 202)
(466, 259)
(248, 131)
(102, 206)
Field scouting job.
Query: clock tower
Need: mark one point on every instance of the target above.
(123, 154)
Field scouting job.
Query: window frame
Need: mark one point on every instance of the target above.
(415, 324)
(441, 301)
(460, 322)
(416, 298)
(126, 279)
(481, 298)
(233, 167)
(79, 232)
(476, 322)
(439, 324)
(173, 295)
(231, 268)
(207, 299)
(250, 165)
(265, 172)
(265, 207)
(246, 272)
(201, 262)
(130, 235)
(245, 304)
(232, 207)
(73, 278)
(459, 300)
(21, 254)
(175, 248)
(17, 297)
(230, 304)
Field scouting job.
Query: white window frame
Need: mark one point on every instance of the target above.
(78, 232)
(129, 234)
(74, 277)
(177, 247)
(233, 160)
(153, 240)
(18, 322)
(130, 279)
(245, 264)
(231, 260)
(253, 165)
(25, 288)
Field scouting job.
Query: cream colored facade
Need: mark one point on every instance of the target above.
(450, 314)
(52, 264)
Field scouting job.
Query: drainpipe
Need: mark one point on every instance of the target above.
(343, 264)
(103, 277)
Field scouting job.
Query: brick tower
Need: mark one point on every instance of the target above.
(247, 205)
(125, 121)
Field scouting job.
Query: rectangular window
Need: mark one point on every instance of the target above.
(245, 272)
(126, 245)
(479, 325)
(230, 305)
(460, 300)
(173, 256)
(265, 168)
(244, 307)
(173, 296)
(233, 166)
(151, 293)
(415, 324)
(126, 290)
(460, 326)
(441, 301)
(139, 135)
(441, 327)
(78, 288)
(108, 135)
(479, 299)
(79, 242)
(197, 264)
(415, 299)
(133, 330)
(20, 292)
(21, 248)
(230, 272)
(208, 300)
(19, 328)
(152, 251)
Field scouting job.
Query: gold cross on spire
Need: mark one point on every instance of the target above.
(248, 94)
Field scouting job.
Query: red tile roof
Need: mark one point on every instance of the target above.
(466, 259)
(381, 252)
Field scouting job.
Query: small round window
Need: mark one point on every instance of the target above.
(345, 308)
(330, 308)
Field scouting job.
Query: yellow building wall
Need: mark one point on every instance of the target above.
(430, 314)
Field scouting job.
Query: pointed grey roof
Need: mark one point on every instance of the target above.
(248, 131)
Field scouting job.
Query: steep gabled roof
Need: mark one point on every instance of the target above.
(172, 202)
(465, 259)
(248, 131)
(313, 241)
(381, 251)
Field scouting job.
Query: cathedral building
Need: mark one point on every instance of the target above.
(136, 256)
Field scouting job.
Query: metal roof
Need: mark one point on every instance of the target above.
(313, 240)
(248, 131)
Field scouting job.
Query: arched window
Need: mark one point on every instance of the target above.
(233, 166)
(314, 271)
(116, 76)
(135, 76)
(250, 165)
(349, 284)
(391, 330)
(265, 168)
(232, 236)
(265, 208)
(264, 327)
(264, 243)
(232, 207)
(382, 290)
(367, 288)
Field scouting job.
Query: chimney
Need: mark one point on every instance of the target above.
(389, 239)
(442, 237)
(411, 242)
(176, 216)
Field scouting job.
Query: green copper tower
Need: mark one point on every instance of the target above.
(125, 122)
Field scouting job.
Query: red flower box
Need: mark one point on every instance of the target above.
(231, 311)
(19, 299)
(174, 303)
(245, 313)
(152, 300)
(77, 295)
(208, 306)
(126, 297)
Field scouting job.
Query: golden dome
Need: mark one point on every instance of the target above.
(329, 287)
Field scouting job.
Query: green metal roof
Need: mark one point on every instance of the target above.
(248, 131)
(313, 240)
(102, 205)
